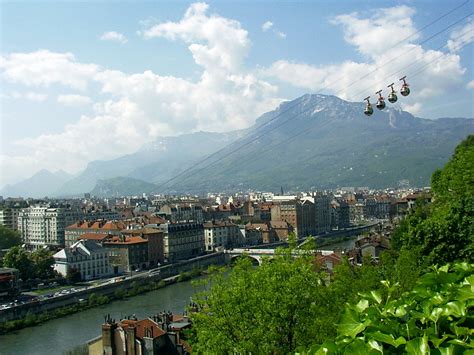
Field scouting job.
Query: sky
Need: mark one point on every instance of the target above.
(85, 81)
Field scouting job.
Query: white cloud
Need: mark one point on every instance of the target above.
(74, 100)
(44, 68)
(461, 37)
(269, 25)
(414, 109)
(30, 95)
(378, 38)
(280, 34)
(470, 85)
(266, 26)
(216, 43)
(114, 37)
(146, 105)
(379, 32)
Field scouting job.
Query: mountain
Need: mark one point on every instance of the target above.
(122, 186)
(312, 142)
(156, 161)
(43, 183)
(319, 141)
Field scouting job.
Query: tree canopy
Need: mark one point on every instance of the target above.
(444, 231)
(8, 237)
(37, 264)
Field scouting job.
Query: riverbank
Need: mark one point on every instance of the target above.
(95, 300)
(38, 312)
(57, 336)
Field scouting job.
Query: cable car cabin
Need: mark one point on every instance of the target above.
(405, 90)
(368, 108)
(392, 97)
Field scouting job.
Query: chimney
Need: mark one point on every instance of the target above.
(108, 344)
(130, 339)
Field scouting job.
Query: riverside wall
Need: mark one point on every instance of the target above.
(168, 273)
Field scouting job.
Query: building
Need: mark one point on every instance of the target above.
(160, 334)
(155, 238)
(221, 234)
(322, 207)
(9, 217)
(183, 240)
(252, 235)
(281, 230)
(180, 213)
(127, 253)
(41, 226)
(85, 256)
(73, 232)
(299, 214)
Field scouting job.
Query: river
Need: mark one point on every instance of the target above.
(61, 334)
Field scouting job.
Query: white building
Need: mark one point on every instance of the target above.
(42, 226)
(88, 257)
(9, 217)
(221, 235)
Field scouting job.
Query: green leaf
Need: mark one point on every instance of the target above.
(357, 347)
(387, 338)
(350, 325)
(376, 296)
(418, 346)
(447, 351)
(362, 305)
(461, 343)
(455, 308)
(375, 346)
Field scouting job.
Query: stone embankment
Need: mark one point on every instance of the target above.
(167, 273)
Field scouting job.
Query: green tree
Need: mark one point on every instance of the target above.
(8, 237)
(19, 258)
(444, 231)
(276, 306)
(73, 275)
(43, 262)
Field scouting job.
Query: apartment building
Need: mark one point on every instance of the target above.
(42, 226)
(85, 256)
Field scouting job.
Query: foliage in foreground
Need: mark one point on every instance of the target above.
(279, 306)
(437, 316)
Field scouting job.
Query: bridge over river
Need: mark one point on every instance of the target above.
(259, 254)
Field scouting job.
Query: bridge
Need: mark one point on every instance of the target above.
(258, 254)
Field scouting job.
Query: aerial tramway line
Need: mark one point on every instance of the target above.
(392, 97)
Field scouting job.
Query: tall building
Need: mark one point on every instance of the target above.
(9, 217)
(41, 226)
(299, 214)
(322, 205)
(182, 240)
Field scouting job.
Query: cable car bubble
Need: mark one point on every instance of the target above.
(405, 90)
(392, 97)
(368, 108)
(381, 101)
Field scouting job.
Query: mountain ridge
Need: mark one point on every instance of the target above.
(314, 141)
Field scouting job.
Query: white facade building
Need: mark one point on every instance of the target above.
(88, 257)
(42, 226)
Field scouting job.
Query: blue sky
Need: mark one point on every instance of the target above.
(82, 81)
